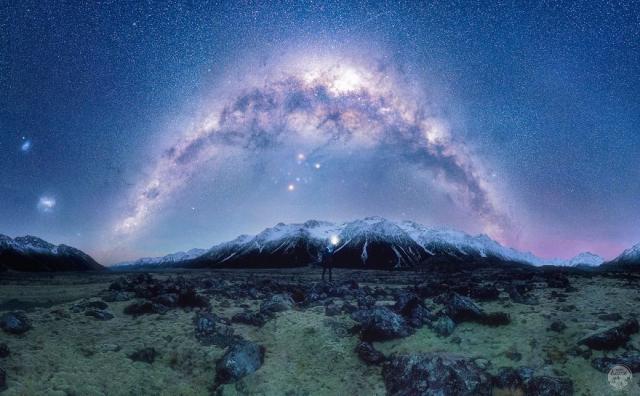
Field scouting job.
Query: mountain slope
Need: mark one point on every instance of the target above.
(630, 258)
(372, 243)
(32, 254)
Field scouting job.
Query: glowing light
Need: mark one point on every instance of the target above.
(316, 165)
(335, 240)
(291, 187)
(347, 80)
(46, 204)
(26, 146)
(301, 157)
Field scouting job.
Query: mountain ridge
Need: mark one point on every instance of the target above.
(401, 244)
(32, 254)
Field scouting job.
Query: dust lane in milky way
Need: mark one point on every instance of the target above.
(328, 108)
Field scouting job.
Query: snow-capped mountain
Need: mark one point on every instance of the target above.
(29, 253)
(163, 260)
(372, 242)
(630, 257)
(586, 259)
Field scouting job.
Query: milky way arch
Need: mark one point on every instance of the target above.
(336, 106)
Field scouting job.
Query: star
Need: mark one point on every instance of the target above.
(291, 187)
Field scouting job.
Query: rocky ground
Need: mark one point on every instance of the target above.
(284, 332)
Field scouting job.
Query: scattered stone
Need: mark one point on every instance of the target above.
(192, 299)
(612, 338)
(144, 308)
(521, 381)
(366, 301)
(3, 380)
(604, 364)
(249, 318)
(549, 386)
(212, 330)
(612, 317)
(276, 303)
(443, 326)
(4, 350)
(368, 354)
(116, 295)
(332, 309)
(519, 294)
(98, 314)
(241, 359)
(381, 323)
(146, 355)
(557, 326)
(434, 374)
(15, 323)
(463, 309)
(167, 299)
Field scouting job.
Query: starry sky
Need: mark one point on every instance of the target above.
(133, 129)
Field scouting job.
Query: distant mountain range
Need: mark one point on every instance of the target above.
(32, 254)
(373, 243)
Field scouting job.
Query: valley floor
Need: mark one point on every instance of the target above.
(307, 352)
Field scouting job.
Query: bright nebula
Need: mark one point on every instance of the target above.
(46, 204)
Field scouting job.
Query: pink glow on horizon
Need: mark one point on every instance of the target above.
(568, 248)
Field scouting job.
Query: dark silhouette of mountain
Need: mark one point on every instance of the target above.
(32, 254)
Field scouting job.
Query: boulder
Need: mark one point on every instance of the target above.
(434, 374)
(368, 354)
(613, 338)
(443, 326)
(15, 323)
(144, 308)
(213, 330)
(381, 323)
(146, 355)
(276, 303)
(242, 358)
(557, 326)
(549, 386)
(604, 364)
(463, 309)
(522, 381)
(98, 314)
(3, 380)
(249, 318)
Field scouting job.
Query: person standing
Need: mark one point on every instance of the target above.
(327, 257)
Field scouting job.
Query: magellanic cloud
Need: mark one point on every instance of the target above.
(339, 106)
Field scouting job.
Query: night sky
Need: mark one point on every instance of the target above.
(131, 130)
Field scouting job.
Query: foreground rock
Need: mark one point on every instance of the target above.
(463, 309)
(4, 350)
(146, 355)
(15, 323)
(381, 323)
(604, 364)
(434, 374)
(277, 303)
(368, 354)
(3, 380)
(522, 381)
(213, 330)
(613, 338)
(241, 359)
